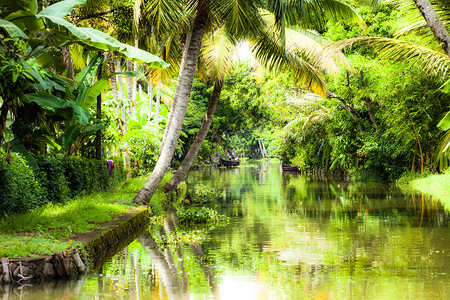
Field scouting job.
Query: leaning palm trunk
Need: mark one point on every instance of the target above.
(187, 162)
(181, 99)
(168, 276)
(174, 103)
(435, 23)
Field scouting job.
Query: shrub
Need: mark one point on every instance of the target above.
(196, 216)
(119, 174)
(85, 176)
(202, 194)
(20, 191)
(56, 181)
(144, 149)
(52, 179)
(74, 172)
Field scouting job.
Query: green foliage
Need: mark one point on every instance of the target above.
(202, 194)
(31, 246)
(20, 191)
(143, 149)
(51, 176)
(435, 185)
(199, 216)
(85, 175)
(39, 231)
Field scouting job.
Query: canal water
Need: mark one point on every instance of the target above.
(289, 237)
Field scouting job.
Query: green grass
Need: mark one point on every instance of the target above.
(435, 185)
(47, 229)
(31, 245)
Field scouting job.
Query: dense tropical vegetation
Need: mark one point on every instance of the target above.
(72, 87)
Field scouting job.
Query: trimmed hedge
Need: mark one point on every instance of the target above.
(56, 181)
(51, 176)
(20, 190)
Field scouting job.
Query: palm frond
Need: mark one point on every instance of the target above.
(278, 9)
(136, 15)
(442, 159)
(296, 123)
(273, 55)
(431, 61)
(164, 15)
(316, 117)
(315, 13)
(217, 52)
(419, 25)
(241, 17)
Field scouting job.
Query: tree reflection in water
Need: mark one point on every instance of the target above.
(175, 282)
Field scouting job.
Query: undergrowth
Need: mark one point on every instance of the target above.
(47, 229)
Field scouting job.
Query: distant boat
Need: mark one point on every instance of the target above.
(229, 163)
(289, 168)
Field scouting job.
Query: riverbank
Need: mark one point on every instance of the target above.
(435, 185)
(59, 227)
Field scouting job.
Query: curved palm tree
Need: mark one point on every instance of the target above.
(217, 54)
(242, 19)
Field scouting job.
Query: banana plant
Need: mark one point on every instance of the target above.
(42, 34)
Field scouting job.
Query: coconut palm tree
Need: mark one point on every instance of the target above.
(218, 54)
(243, 20)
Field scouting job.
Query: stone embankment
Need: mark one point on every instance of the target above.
(74, 262)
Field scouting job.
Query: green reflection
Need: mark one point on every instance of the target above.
(289, 237)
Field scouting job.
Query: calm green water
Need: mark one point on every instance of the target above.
(290, 237)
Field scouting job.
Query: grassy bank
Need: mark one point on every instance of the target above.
(435, 185)
(48, 229)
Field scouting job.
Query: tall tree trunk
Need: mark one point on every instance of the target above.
(130, 87)
(435, 23)
(174, 103)
(181, 99)
(150, 100)
(112, 70)
(67, 61)
(98, 138)
(122, 97)
(187, 162)
(158, 103)
(135, 68)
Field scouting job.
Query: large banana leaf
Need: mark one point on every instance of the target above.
(88, 73)
(64, 33)
(444, 124)
(70, 136)
(46, 101)
(81, 114)
(92, 93)
(12, 29)
(50, 102)
(61, 9)
(18, 147)
(91, 129)
(25, 20)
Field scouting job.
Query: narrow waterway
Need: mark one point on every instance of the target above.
(289, 237)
